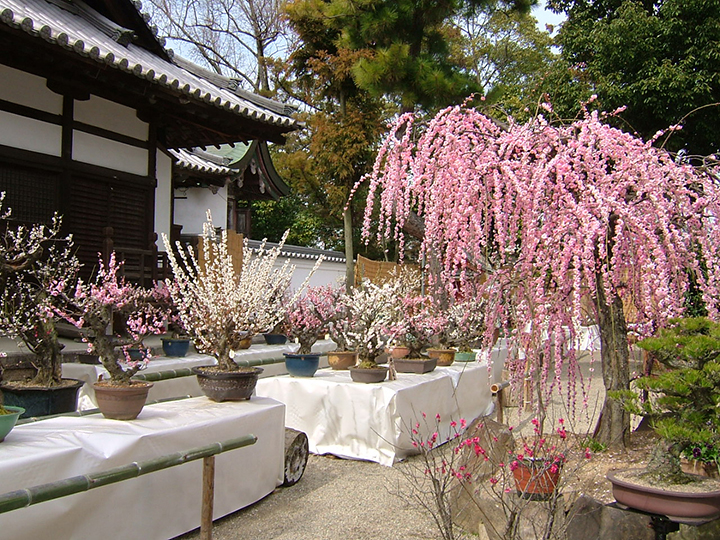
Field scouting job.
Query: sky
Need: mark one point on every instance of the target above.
(545, 16)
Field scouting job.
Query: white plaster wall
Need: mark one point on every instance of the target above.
(163, 194)
(328, 274)
(111, 116)
(28, 134)
(190, 212)
(111, 154)
(29, 90)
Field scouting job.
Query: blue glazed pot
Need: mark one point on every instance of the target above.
(302, 365)
(275, 339)
(175, 347)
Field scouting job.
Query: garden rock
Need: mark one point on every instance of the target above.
(469, 504)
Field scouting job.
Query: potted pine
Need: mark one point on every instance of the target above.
(32, 260)
(307, 316)
(683, 400)
(220, 309)
(114, 313)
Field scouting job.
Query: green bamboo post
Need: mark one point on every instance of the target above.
(76, 484)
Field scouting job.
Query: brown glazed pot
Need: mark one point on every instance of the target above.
(445, 357)
(415, 365)
(369, 375)
(535, 481)
(121, 402)
(692, 508)
(342, 359)
(227, 385)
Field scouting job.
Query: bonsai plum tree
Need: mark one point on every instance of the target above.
(539, 217)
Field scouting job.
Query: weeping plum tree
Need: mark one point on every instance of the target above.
(552, 216)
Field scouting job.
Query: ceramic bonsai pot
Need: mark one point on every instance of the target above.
(43, 401)
(8, 421)
(302, 365)
(275, 339)
(682, 507)
(445, 357)
(369, 375)
(175, 347)
(399, 352)
(121, 402)
(245, 343)
(342, 359)
(415, 365)
(227, 385)
(465, 356)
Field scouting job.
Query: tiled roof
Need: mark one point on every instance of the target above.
(77, 28)
(299, 252)
(204, 162)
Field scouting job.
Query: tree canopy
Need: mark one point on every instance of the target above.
(657, 57)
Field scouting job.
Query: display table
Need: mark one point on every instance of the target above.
(373, 421)
(269, 357)
(159, 505)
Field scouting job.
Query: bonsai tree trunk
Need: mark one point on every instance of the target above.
(48, 350)
(613, 425)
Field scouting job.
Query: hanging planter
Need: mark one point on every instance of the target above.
(219, 385)
(302, 365)
(8, 421)
(121, 402)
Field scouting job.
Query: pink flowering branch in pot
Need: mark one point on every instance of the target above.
(310, 314)
(110, 302)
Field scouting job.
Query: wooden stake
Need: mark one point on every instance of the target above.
(208, 497)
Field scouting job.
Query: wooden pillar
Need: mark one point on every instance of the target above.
(208, 498)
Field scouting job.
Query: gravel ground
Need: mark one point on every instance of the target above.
(335, 499)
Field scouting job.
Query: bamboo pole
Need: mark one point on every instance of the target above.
(76, 484)
(208, 498)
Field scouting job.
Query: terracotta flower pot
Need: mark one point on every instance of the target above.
(536, 479)
(445, 357)
(342, 359)
(399, 352)
(121, 402)
(227, 385)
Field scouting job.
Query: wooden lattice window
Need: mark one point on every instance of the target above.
(32, 194)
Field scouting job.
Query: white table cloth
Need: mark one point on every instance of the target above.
(159, 505)
(182, 386)
(373, 421)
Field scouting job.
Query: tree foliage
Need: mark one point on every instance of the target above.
(658, 58)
